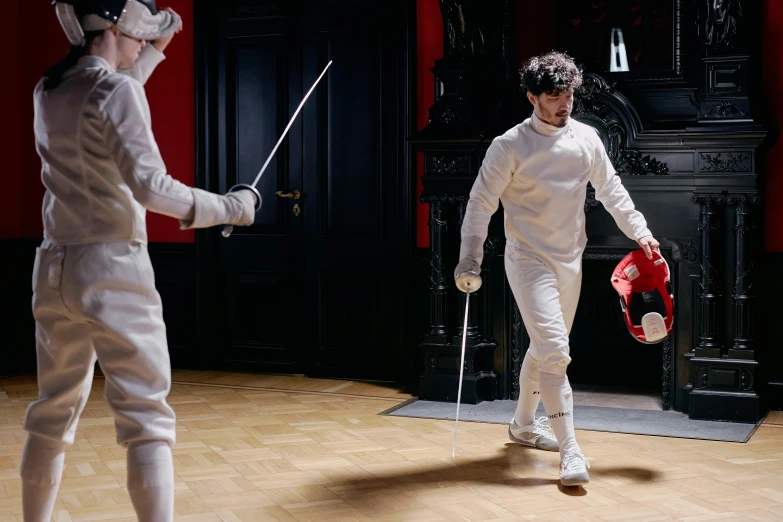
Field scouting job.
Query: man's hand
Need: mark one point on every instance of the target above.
(467, 272)
(161, 43)
(648, 244)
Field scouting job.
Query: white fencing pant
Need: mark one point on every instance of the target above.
(529, 390)
(547, 304)
(98, 301)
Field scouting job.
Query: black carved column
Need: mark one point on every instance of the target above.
(470, 82)
(728, 41)
(438, 288)
(517, 353)
(723, 387)
(709, 292)
(666, 376)
(742, 299)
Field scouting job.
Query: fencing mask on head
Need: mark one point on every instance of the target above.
(646, 296)
(135, 18)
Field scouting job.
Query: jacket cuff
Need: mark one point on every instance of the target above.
(642, 233)
(472, 247)
(151, 55)
(208, 210)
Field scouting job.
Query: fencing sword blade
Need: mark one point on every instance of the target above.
(291, 122)
(229, 228)
(461, 367)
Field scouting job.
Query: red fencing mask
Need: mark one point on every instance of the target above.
(646, 295)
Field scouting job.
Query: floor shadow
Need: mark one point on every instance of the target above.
(501, 470)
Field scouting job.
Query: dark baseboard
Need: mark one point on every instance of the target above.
(16, 318)
(177, 284)
(772, 358)
(775, 395)
(724, 406)
(420, 309)
(175, 279)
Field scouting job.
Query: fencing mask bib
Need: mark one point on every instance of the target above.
(135, 18)
(646, 296)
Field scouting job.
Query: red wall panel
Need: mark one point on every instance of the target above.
(429, 36)
(10, 93)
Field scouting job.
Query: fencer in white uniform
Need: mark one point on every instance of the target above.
(94, 295)
(539, 170)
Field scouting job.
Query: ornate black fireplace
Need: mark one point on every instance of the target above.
(686, 144)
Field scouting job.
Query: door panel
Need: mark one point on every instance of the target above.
(351, 173)
(259, 266)
(350, 318)
(259, 109)
(314, 285)
(252, 295)
(353, 143)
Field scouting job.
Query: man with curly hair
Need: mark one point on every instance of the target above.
(539, 170)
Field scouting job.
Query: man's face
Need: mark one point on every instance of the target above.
(553, 108)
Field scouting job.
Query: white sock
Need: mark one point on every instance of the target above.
(559, 405)
(529, 395)
(41, 471)
(151, 481)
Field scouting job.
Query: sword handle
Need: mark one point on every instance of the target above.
(227, 229)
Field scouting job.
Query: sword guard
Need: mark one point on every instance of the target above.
(242, 186)
(468, 281)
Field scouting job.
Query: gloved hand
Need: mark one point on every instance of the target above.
(235, 208)
(467, 275)
(242, 208)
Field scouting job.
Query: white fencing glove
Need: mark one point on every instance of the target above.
(235, 208)
(467, 275)
(471, 253)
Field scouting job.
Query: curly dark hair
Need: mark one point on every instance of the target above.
(551, 72)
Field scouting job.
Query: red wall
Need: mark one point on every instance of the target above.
(773, 85)
(39, 36)
(534, 34)
(171, 93)
(429, 34)
(10, 179)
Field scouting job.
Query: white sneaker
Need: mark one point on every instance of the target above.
(536, 435)
(573, 469)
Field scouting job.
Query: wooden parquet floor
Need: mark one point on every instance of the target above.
(284, 448)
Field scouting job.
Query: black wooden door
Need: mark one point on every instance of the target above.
(317, 284)
(353, 153)
(260, 284)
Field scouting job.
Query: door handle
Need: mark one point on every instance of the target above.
(295, 195)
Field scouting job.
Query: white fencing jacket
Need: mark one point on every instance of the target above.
(540, 174)
(100, 163)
